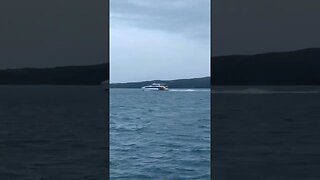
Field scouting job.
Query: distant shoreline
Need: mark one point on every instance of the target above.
(294, 68)
(169, 88)
(203, 82)
(300, 67)
(68, 75)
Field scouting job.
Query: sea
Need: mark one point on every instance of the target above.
(60, 132)
(159, 134)
(53, 133)
(266, 132)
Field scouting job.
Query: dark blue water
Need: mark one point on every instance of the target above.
(53, 132)
(159, 135)
(266, 133)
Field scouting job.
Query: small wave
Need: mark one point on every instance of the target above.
(189, 90)
(183, 90)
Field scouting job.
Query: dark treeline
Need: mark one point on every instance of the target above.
(179, 83)
(300, 67)
(69, 75)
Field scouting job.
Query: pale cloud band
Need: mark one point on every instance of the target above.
(159, 39)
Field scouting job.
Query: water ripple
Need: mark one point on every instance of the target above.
(160, 135)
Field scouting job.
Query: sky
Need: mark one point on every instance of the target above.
(151, 39)
(38, 33)
(159, 39)
(259, 26)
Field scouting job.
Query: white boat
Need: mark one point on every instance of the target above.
(155, 87)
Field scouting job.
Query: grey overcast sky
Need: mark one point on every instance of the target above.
(258, 26)
(46, 33)
(159, 39)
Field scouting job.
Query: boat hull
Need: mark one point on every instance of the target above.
(155, 89)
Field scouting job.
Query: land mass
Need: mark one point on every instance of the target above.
(68, 75)
(179, 83)
(301, 67)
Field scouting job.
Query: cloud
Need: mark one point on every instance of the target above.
(159, 39)
(188, 17)
(251, 26)
(138, 55)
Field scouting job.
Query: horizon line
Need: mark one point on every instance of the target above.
(160, 80)
(268, 52)
(52, 67)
